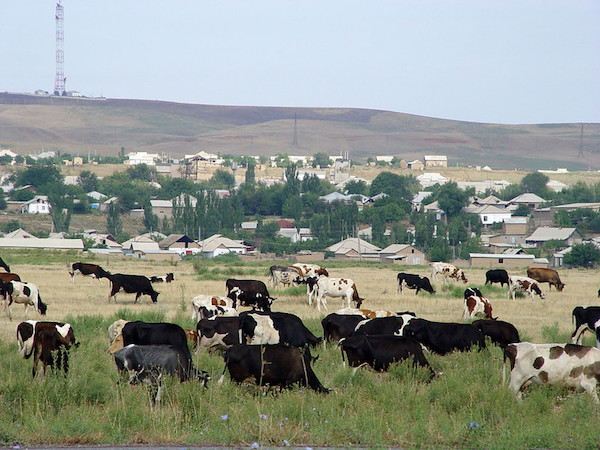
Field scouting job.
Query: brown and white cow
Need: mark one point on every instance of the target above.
(203, 300)
(543, 275)
(568, 365)
(336, 287)
(476, 306)
(310, 270)
(447, 271)
(525, 285)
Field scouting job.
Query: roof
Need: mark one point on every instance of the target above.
(547, 233)
(527, 198)
(161, 203)
(180, 199)
(64, 244)
(334, 196)
(173, 238)
(435, 158)
(395, 248)
(19, 233)
(420, 196)
(210, 244)
(353, 244)
(515, 220)
(145, 247)
(499, 255)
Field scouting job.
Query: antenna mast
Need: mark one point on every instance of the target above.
(59, 80)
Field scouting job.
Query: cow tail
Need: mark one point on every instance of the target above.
(305, 354)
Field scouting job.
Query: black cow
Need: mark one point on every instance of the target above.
(469, 292)
(151, 362)
(275, 328)
(4, 265)
(412, 281)
(218, 332)
(381, 351)
(167, 278)
(338, 326)
(500, 332)
(442, 338)
(132, 284)
(249, 293)
(87, 269)
(586, 318)
(271, 365)
(144, 333)
(388, 326)
(496, 276)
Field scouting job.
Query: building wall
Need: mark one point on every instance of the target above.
(494, 263)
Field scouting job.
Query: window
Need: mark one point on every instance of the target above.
(500, 260)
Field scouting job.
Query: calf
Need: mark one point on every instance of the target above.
(209, 300)
(496, 276)
(568, 365)
(218, 333)
(543, 275)
(500, 332)
(275, 328)
(131, 284)
(87, 269)
(412, 281)
(337, 287)
(380, 352)
(447, 272)
(443, 338)
(271, 365)
(523, 284)
(21, 292)
(167, 278)
(476, 306)
(586, 318)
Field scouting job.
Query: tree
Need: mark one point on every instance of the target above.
(41, 176)
(88, 181)
(356, 187)
(114, 222)
(222, 179)
(582, 255)
(439, 251)
(150, 219)
(321, 159)
(250, 178)
(396, 186)
(535, 183)
(522, 211)
(61, 207)
(451, 199)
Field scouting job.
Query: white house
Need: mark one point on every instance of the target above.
(489, 213)
(218, 244)
(142, 158)
(431, 179)
(37, 205)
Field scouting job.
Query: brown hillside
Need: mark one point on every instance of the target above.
(31, 123)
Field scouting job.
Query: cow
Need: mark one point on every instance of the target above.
(380, 352)
(209, 300)
(271, 365)
(22, 292)
(543, 275)
(206, 312)
(567, 365)
(151, 362)
(283, 275)
(586, 318)
(523, 284)
(496, 276)
(166, 278)
(275, 328)
(249, 293)
(4, 265)
(87, 269)
(131, 284)
(114, 329)
(337, 326)
(412, 281)
(500, 332)
(310, 270)
(45, 340)
(311, 286)
(337, 287)
(476, 306)
(443, 338)
(389, 326)
(447, 271)
(6, 277)
(218, 333)
(472, 291)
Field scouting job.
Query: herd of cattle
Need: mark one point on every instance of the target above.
(273, 348)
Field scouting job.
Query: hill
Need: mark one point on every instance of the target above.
(30, 123)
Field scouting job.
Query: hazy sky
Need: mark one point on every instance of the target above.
(498, 61)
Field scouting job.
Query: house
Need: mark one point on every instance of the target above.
(127, 245)
(142, 158)
(386, 159)
(490, 200)
(43, 244)
(431, 179)
(178, 242)
(169, 170)
(184, 199)
(19, 233)
(218, 244)
(106, 204)
(320, 174)
(339, 171)
(533, 201)
(97, 196)
(402, 254)
(336, 197)
(435, 161)
(500, 261)
(516, 226)
(250, 226)
(354, 248)
(102, 239)
(556, 186)
(37, 205)
(289, 233)
(489, 214)
(569, 236)
(415, 165)
(162, 208)
(434, 208)
(418, 198)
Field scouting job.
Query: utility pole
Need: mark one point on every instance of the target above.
(59, 79)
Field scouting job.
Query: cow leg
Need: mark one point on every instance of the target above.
(578, 333)
(137, 295)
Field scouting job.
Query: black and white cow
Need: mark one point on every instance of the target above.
(442, 337)
(275, 328)
(412, 281)
(224, 306)
(585, 318)
(500, 332)
(337, 326)
(380, 352)
(131, 284)
(167, 278)
(87, 269)
(496, 276)
(249, 293)
(271, 365)
(389, 326)
(22, 292)
(218, 333)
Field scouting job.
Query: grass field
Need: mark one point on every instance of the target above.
(464, 406)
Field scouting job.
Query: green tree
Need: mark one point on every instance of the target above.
(250, 177)
(61, 207)
(321, 159)
(451, 199)
(22, 195)
(582, 255)
(535, 183)
(396, 186)
(292, 207)
(42, 176)
(150, 219)
(222, 179)
(439, 251)
(522, 211)
(356, 187)
(88, 181)
(114, 222)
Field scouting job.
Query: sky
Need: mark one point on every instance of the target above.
(492, 61)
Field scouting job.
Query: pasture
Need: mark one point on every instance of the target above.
(466, 405)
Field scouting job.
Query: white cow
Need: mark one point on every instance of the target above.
(336, 287)
(310, 270)
(568, 365)
(525, 285)
(208, 300)
(25, 293)
(447, 271)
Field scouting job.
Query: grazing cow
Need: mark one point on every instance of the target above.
(496, 276)
(337, 287)
(249, 293)
(500, 332)
(275, 328)
(22, 292)
(380, 352)
(543, 275)
(283, 275)
(209, 300)
(447, 271)
(567, 365)
(586, 318)
(4, 265)
(523, 284)
(443, 338)
(476, 306)
(389, 326)
(45, 340)
(218, 333)
(86, 269)
(310, 270)
(413, 282)
(6, 277)
(167, 278)
(144, 333)
(472, 291)
(131, 284)
(150, 362)
(271, 365)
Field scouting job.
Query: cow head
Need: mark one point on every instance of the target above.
(322, 272)
(170, 277)
(427, 287)
(459, 275)
(535, 288)
(560, 286)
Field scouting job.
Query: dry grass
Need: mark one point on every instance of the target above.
(377, 285)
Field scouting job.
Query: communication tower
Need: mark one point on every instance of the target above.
(59, 80)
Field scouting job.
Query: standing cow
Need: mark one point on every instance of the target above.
(585, 318)
(412, 281)
(525, 285)
(496, 276)
(131, 284)
(543, 275)
(337, 287)
(447, 272)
